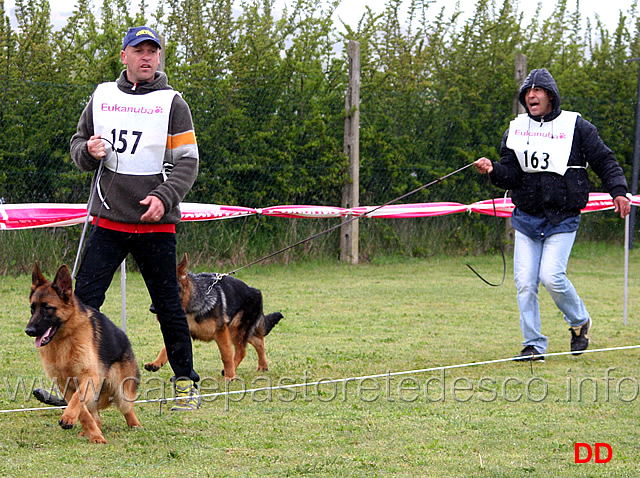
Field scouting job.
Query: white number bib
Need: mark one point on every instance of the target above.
(137, 126)
(543, 147)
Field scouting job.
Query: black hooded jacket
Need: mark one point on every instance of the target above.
(551, 195)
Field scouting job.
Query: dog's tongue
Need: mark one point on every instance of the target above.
(44, 337)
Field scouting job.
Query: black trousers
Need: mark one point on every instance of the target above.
(155, 255)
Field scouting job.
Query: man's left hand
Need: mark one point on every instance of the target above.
(155, 211)
(622, 204)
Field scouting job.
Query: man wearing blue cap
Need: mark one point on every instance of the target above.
(141, 54)
(149, 165)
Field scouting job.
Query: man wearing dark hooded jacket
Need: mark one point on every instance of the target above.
(543, 159)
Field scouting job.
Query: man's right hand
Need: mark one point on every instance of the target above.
(95, 146)
(484, 165)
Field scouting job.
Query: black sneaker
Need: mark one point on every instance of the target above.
(53, 397)
(580, 337)
(529, 353)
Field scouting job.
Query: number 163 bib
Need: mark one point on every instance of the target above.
(543, 147)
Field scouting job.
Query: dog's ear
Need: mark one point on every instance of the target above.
(182, 267)
(63, 284)
(37, 279)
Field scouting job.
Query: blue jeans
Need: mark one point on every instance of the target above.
(544, 260)
(155, 255)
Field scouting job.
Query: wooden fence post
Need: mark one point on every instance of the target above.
(351, 190)
(161, 66)
(520, 76)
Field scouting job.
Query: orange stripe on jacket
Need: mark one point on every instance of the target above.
(181, 139)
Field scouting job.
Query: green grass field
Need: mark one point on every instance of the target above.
(502, 419)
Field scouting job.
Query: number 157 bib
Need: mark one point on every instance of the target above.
(137, 126)
(543, 147)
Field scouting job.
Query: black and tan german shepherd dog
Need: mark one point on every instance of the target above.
(224, 309)
(89, 357)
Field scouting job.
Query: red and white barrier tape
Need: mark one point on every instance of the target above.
(25, 216)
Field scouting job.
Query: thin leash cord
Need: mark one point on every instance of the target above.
(348, 221)
(94, 183)
(504, 260)
(94, 187)
(388, 374)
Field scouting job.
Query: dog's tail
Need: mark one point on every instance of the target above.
(270, 321)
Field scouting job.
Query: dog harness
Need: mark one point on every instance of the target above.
(217, 277)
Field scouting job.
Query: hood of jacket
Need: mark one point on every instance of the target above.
(542, 79)
(160, 82)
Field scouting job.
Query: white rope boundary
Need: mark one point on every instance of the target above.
(351, 379)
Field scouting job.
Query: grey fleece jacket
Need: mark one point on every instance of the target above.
(121, 193)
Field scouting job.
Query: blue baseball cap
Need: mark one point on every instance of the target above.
(137, 35)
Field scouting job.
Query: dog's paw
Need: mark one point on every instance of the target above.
(151, 367)
(65, 424)
(97, 439)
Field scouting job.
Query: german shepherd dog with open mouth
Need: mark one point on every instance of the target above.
(89, 357)
(224, 309)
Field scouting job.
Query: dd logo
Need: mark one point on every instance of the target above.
(590, 452)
